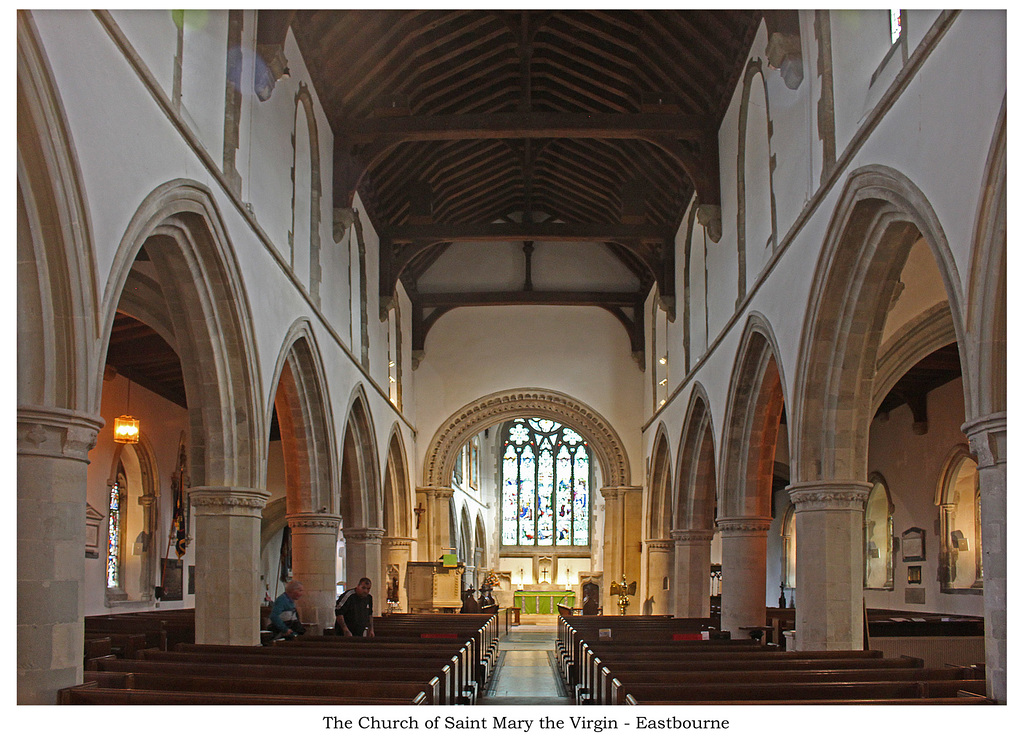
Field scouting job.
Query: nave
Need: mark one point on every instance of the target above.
(526, 673)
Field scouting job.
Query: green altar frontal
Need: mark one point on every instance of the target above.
(531, 602)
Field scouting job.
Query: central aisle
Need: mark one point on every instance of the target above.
(526, 673)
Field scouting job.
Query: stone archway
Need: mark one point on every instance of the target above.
(880, 215)
(693, 521)
(195, 266)
(361, 509)
(604, 441)
(986, 409)
(307, 440)
(752, 423)
(658, 546)
(398, 540)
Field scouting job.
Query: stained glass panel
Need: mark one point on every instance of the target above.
(545, 485)
(509, 496)
(114, 537)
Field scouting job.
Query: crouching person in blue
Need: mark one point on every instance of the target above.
(284, 618)
(353, 612)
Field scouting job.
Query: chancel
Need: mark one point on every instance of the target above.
(634, 356)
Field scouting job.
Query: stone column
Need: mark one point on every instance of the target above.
(397, 551)
(988, 443)
(692, 573)
(829, 564)
(438, 502)
(53, 447)
(744, 562)
(147, 580)
(228, 589)
(613, 567)
(660, 555)
(363, 558)
(314, 563)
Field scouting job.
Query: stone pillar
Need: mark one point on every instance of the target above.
(314, 563)
(363, 558)
(988, 443)
(744, 564)
(148, 573)
(692, 573)
(397, 551)
(660, 555)
(438, 505)
(228, 589)
(613, 567)
(53, 447)
(829, 564)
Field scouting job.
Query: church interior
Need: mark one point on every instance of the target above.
(653, 315)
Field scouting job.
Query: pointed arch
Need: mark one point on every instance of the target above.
(762, 131)
(307, 428)
(752, 417)
(659, 523)
(57, 318)
(304, 106)
(880, 215)
(696, 492)
(397, 501)
(361, 505)
(450, 437)
(211, 319)
(986, 315)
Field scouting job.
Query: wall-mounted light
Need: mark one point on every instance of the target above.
(959, 541)
(663, 382)
(663, 360)
(126, 428)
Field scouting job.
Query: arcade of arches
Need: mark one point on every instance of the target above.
(801, 382)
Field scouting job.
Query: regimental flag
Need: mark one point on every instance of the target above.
(179, 520)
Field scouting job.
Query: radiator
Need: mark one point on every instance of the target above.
(935, 650)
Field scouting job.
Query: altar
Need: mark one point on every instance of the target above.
(542, 601)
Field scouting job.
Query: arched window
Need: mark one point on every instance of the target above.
(878, 568)
(959, 502)
(116, 519)
(545, 484)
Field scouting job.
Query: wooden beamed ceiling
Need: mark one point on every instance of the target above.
(587, 120)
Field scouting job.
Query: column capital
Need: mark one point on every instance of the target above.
(232, 501)
(363, 534)
(614, 492)
(988, 439)
(56, 432)
(436, 492)
(829, 495)
(660, 546)
(743, 525)
(314, 521)
(691, 537)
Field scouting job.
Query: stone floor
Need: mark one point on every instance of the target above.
(526, 673)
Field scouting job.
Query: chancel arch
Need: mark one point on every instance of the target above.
(880, 216)
(695, 509)
(307, 446)
(604, 442)
(752, 425)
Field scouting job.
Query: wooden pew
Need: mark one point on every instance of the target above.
(410, 671)
(229, 682)
(91, 694)
(124, 645)
(799, 692)
(322, 655)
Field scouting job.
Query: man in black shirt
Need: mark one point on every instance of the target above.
(353, 612)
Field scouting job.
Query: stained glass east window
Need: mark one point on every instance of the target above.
(545, 493)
